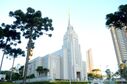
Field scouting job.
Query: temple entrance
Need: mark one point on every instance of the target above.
(78, 75)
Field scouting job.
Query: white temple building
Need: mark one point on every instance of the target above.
(65, 63)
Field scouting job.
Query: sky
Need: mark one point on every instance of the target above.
(86, 16)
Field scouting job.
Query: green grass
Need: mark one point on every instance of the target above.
(6, 83)
(59, 82)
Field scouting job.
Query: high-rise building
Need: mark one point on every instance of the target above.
(65, 63)
(120, 44)
(89, 61)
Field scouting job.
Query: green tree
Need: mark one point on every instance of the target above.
(45, 71)
(14, 53)
(96, 73)
(40, 70)
(9, 38)
(108, 72)
(118, 20)
(15, 76)
(7, 73)
(123, 70)
(32, 26)
(31, 76)
(21, 70)
(90, 76)
(116, 74)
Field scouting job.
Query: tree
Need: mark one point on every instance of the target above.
(15, 76)
(7, 73)
(21, 70)
(45, 70)
(31, 76)
(12, 38)
(118, 19)
(15, 52)
(9, 37)
(90, 76)
(40, 70)
(96, 73)
(32, 26)
(123, 70)
(108, 72)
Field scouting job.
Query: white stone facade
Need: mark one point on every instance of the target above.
(65, 63)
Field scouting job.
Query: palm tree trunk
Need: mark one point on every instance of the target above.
(3, 56)
(12, 69)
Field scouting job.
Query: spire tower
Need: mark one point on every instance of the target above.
(69, 23)
(69, 17)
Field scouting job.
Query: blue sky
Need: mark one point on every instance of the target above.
(86, 16)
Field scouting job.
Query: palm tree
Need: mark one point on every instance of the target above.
(45, 70)
(40, 70)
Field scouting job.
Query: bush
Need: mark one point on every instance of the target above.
(121, 82)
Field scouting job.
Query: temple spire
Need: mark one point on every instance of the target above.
(69, 18)
(69, 28)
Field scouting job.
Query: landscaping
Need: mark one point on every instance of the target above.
(59, 82)
(65, 82)
(48, 82)
(6, 83)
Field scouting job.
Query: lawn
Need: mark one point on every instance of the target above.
(6, 83)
